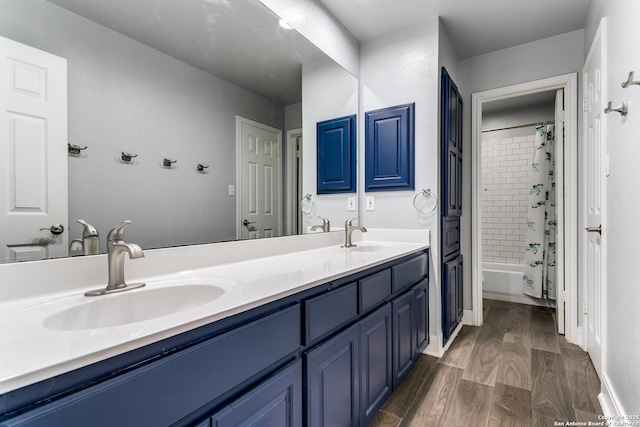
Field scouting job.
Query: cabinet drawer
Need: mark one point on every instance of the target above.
(450, 236)
(164, 391)
(328, 311)
(374, 289)
(409, 272)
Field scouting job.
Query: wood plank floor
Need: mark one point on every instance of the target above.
(515, 370)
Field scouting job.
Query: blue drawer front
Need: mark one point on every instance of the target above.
(164, 391)
(374, 289)
(329, 311)
(410, 272)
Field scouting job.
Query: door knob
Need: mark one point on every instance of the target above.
(55, 229)
(597, 229)
(246, 222)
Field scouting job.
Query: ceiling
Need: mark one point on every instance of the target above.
(474, 27)
(239, 41)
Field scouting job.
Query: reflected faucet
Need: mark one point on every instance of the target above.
(325, 227)
(348, 230)
(90, 243)
(116, 248)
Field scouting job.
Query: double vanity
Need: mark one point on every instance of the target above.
(293, 330)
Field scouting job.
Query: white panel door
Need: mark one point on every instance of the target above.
(33, 153)
(259, 165)
(593, 81)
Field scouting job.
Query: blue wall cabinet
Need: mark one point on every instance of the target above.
(375, 364)
(451, 190)
(336, 156)
(333, 387)
(389, 148)
(276, 402)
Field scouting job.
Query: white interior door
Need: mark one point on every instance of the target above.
(593, 81)
(33, 153)
(259, 157)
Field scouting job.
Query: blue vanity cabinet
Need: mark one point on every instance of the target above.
(333, 386)
(376, 351)
(326, 356)
(275, 402)
(166, 390)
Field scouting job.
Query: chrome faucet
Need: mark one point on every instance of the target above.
(90, 243)
(116, 248)
(325, 227)
(348, 230)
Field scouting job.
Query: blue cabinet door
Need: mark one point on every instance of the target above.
(451, 296)
(404, 336)
(389, 148)
(276, 402)
(421, 293)
(375, 363)
(336, 155)
(332, 380)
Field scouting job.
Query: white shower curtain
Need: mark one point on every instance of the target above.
(539, 277)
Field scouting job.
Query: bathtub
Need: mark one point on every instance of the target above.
(503, 282)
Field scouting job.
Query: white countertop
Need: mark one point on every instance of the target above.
(31, 352)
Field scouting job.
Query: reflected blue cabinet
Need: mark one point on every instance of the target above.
(336, 156)
(389, 148)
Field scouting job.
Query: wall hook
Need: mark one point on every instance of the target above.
(201, 167)
(126, 157)
(623, 109)
(75, 149)
(167, 163)
(630, 81)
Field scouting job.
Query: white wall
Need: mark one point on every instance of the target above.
(397, 69)
(125, 96)
(621, 230)
(549, 57)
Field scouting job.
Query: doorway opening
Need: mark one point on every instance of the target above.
(566, 193)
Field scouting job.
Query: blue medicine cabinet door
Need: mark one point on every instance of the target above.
(389, 148)
(336, 155)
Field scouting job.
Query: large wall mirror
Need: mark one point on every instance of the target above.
(174, 80)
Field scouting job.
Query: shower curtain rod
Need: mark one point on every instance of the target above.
(548, 122)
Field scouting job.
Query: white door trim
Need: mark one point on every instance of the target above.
(292, 199)
(238, 190)
(567, 212)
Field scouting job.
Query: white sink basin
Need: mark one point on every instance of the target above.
(152, 301)
(368, 248)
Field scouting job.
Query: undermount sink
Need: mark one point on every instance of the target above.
(157, 299)
(368, 248)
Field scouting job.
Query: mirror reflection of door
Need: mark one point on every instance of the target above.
(33, 153)
(259, 186)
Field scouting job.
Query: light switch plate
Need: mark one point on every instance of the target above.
(370, 203)
(351, 204)
(232, 190)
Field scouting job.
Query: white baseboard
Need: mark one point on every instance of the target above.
(435, 347)
(467, 317)
(608, 400)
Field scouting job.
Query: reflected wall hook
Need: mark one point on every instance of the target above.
(630, 81)
(623, 109)
(167, 162)
(201, 167)
(126, 157)
(75, 149)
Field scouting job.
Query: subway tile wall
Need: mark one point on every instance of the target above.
(506, 179)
